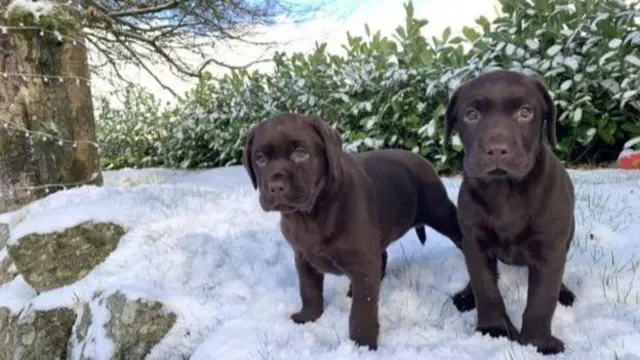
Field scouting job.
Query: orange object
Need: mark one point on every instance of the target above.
(629, 160)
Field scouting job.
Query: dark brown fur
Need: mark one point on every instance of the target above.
(516, 202)
(340, 211)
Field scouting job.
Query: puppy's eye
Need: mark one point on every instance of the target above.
(300, 154)
(525, 113)
(261, 160)
(471, 115)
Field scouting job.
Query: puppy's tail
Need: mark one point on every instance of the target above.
(422, 234)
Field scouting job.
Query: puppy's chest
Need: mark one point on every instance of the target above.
(508, 233)
(311, 241)
(324, 263)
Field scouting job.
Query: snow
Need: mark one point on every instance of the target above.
(96, 334)
(16, 295)
(199, 243)
(37, 8)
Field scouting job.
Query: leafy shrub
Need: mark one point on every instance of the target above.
(131, 135)
(589, 54)
(392, 92)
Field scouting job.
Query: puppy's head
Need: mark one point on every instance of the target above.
(500, 117)
(291, 158)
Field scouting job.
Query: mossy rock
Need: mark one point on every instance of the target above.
(5, 232)
(57, 21)
(49, 261)
(7, 327)
(43, 334)
(133, 327)
(7, 270)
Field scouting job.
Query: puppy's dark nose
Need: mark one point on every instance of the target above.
(277, 187)
(497, 150)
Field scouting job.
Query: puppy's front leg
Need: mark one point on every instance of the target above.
(545, 282)
(364, 273)
(311, 283)
(383, 270)
(492, 318)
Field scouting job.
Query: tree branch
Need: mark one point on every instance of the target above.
(144, 32)
(143, 11)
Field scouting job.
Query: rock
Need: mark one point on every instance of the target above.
(8, 271)
(4, 234)
(7, 326)
(49, 261)
(131, 327)
(41, 334)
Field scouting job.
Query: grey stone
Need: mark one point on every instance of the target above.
(134, 327)
(7, 326)
(49, 261)
(7, 270)
(40, 334)
(5, 232)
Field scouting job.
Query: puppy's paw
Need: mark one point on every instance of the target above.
(566, 297)
(548, 345)
(494, 331)
(364, 333)
(464, 300)
(306, 315)
(502, 328)
(369, 340)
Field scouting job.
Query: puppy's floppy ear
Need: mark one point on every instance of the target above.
(549, 114)
(246, 156)
(450, 119)
(332, 142)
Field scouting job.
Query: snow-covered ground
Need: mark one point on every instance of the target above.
(199, 242)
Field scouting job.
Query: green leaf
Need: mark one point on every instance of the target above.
(401, 33)
(446, 34)
(631, 127)
(457, 40)
(484, 23)
(470, 33)
(408, 7)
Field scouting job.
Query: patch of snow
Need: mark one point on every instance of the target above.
(10, 218)
(199, 242)
(16, 295)
(37, 8)
(101, 346)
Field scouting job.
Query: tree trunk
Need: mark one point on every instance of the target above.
(44, 89)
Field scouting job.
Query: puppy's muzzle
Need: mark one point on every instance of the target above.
(277, 194)
(277, 187)
(498, 153)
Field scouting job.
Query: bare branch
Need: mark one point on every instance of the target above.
(144, 11)
(152, 32)
(147, 69)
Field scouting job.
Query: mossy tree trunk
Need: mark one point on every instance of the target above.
(53, 97)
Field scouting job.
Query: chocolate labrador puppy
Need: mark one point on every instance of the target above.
(516, 202)
(340, 211)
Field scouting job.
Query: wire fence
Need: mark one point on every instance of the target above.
(26, 152)
(32, 146)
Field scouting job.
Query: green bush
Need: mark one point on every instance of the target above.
(133, 134)
(391, 92)
(589, 54)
